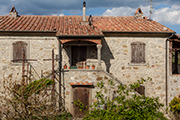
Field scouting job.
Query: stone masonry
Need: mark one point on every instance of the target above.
(115, 62)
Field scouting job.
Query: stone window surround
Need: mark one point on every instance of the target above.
(11, 51)
(129, 53)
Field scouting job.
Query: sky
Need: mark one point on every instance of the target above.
(166, 12)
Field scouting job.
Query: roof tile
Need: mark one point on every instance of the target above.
(71, 25)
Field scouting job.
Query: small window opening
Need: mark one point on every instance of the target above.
(140, 90)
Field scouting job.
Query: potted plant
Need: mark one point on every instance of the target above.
(87, 66)
(65, 66)
(80, 67)
(73, 67)
(93, 66)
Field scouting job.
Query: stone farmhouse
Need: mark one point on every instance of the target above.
(88, 49)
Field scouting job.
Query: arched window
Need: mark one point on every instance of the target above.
(18, 48)
(138, 52)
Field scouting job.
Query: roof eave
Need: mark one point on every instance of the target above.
(28, 33)
(77, 36)
(138, 32)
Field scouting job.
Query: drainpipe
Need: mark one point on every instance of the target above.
(166, 73)
(60, 102)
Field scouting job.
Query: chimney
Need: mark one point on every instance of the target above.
(84, 11)
(13, 12)
(138, 14)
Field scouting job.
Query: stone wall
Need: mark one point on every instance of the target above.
(174, 86)
(38, 48)
(116, 60)
(86, 76)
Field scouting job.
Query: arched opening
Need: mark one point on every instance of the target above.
(81, 54)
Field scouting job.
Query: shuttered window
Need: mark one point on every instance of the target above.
(18, 48)
(138, 52)
(140, 90)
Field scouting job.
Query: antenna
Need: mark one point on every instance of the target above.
(151, 8)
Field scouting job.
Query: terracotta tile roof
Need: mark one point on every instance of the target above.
(81, 83)
(70, 25)
(178, 36)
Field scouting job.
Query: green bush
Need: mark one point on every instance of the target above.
(174, 106)
(125, 105)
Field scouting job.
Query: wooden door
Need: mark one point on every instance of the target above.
(82, 94)
(78, 54)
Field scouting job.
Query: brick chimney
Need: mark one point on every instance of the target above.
(138, 14)
(13, 12)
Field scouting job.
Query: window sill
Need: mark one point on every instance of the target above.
(16, 64)
(175, 74)
(138, 64)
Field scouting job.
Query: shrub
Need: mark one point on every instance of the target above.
(30, 102)
(125, 105)
(174, 106)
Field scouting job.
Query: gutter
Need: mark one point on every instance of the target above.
(166, 73)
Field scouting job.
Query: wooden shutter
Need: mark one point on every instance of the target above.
(138, 52)
(18, 48)
(140, 90)
(133, 52)
(142, 52)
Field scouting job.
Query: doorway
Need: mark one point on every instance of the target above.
(80, 94)
(78, 55)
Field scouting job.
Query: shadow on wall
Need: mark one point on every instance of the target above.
(106, 54)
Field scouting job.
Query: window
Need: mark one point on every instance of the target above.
(176, 62)
(138, 52)
(140, 90)
(18, 48)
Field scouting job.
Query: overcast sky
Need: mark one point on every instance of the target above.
(167, 12)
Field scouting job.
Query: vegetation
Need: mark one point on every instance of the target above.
(31, 101)
(175, 107)
(125, 105)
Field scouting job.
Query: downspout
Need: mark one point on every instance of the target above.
(166, 73)
(60, 66)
